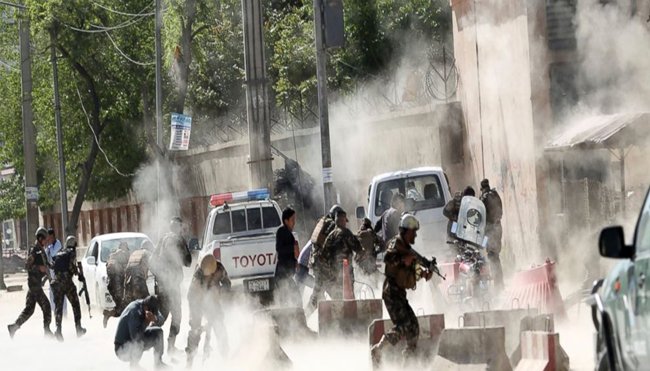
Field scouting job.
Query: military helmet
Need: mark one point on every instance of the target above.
(408, 221)
(71, 241)
(41, 232)
(335, 209)
(208, 265)
(146, 245)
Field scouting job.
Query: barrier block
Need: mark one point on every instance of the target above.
(475, 345)
(541, 351)
(510, 320)
(347, 316)
(431, 329)
(537, 288)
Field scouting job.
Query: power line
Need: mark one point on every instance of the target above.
(98, 29)
(126, 56)
(83, 108)
(124, 13)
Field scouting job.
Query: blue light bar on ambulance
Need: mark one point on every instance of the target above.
(252, 195)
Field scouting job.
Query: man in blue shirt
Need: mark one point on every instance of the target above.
(135, 334)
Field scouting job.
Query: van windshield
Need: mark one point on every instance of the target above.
(421, 192)
(248, 219)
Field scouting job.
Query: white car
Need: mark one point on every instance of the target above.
(94, 264)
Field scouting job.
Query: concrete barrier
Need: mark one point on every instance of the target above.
(541, 351)
(509, 319)
(347, 316)
(268, 352)
(431, 328)
(475, 346)
(537, 288)
(542, 323)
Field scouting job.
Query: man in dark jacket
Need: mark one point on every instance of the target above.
(37, 271)
(493, 230)
(135, 334)
(286, 248)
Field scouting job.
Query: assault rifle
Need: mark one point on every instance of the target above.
(430, 265)
(84, 286)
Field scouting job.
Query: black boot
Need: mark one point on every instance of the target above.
(12, 329)
(80, 331)
(58, 334)
(48, 332)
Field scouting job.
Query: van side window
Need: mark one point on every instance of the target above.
(642, 242)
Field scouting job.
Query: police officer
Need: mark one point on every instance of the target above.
(64, 269)
(209, 282)
(37, 272)
(169, 258)
(371, 245)
(323, 228)
(137, 270)
(400, 275)
(389, 221)
(493, 230)
(115, 267)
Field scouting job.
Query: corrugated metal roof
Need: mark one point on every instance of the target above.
(603, 131)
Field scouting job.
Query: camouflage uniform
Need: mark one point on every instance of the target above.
(339, 245)
(64, 269)
(390, 223)
(135, 277)
(204, 298)
(494, 232)
(115, 271)
(35, 294)
(371, 245)
(322, 276)
(450, 211)
(170, 256)
(400, 277)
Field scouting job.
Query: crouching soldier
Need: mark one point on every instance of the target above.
(371, 245)
(400, 275)
(137, 270)
(65, 268)
(209, 282)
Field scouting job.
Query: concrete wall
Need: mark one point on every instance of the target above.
(493, 54)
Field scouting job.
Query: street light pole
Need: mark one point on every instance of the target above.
(159, 114)
(59, 135)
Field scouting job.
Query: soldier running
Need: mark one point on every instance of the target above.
(400, 276)
(137, 270)
(209, 282)
(371, 244)
(65, 268)
(323, 228)
(169, 258)
(37, 272)
(115, 267)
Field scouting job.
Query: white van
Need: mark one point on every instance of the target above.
(427, 192)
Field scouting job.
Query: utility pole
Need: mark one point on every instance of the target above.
(59, 134)
(257, 102)
(29, 138)
(329, 193)
(159, 115)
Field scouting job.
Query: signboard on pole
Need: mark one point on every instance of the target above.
(180, 133)
(31, 193)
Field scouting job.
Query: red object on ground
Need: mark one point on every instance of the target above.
(348, 293)
(537, 288)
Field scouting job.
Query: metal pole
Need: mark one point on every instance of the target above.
(323, 115)
(59, 135)
(29, 139)
(159, 115)
(257, 102)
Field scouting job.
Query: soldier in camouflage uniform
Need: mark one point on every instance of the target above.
(209, 282)
(339, 246)
(400, 276)
(323, 228)
(168, 260)
(37, 271)
(137, 270)
(115, 267)
(493, 230)
(371, 245)
(63, 287)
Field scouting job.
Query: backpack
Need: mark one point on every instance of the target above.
(323, 228)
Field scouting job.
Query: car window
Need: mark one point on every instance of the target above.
(109, 246)
(642, 241)
(421, 192)
(93, 250)
(250, 219)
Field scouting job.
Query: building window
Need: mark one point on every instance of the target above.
(564, 94)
